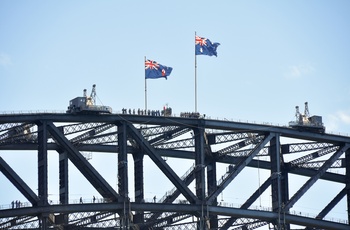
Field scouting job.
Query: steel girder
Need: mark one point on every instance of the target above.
(211, 142)
(163, 166)
(315, 177)
(83, 165)
(170, 208)
(17, 181)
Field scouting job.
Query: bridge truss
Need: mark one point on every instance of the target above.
(219, 152)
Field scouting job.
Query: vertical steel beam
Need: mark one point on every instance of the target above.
(199, 172)
(211, 177)
(63, 177)
(284, 191)
(275, 155)
(123, 174)
(211, 180)
(282, 179)
(139, 184)
(63, 183)
(199, 163)
(347, 179)
(42, 163)
(42, 169)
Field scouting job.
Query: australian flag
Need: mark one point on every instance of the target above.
(205, 47)
(154, 70)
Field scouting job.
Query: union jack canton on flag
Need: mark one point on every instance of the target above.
(153, 70)
(205, 47)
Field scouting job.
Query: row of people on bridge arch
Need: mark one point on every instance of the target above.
(143, 112)
(167, 111)
(16, 204)
(93, 200)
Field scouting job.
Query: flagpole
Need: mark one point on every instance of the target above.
(195, 74)
(145, 87)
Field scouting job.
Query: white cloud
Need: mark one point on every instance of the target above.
(344, 117)
(5, 60)
(297, 71)
(338, 122)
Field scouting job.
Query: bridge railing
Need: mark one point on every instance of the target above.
(173, 115)
(178, 201)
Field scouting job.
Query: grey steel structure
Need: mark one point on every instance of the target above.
(207, 143)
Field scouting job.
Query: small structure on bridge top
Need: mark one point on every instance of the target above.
(87, 104)
(167, 111)
(305, 122)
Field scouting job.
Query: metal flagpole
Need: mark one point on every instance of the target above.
(195, 74)
(145, 87)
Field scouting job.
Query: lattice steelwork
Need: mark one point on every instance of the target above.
(218, 152)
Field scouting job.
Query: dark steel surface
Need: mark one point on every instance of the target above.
(205, 142)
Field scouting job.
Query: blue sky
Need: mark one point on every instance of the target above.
(273, 56)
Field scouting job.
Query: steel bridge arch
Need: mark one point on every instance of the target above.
(208, 143)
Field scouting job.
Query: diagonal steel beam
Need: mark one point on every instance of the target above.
(239, 167)
(332, 204)
(239, 145)
(303, 147)
(18, 182)
(171, 196)
(167, 134)
(163, 166)
(314, 155)
(90, 173)
(314, 178)
(178, 144)
(91, 133)
(250, 200)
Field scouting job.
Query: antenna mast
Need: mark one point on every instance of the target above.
(297, 114)
(306, 111)
(93, 94)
